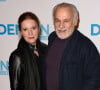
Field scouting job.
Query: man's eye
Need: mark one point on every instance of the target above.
(57, 21)
(66, 20)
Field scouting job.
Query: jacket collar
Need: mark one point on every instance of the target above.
(24, 44)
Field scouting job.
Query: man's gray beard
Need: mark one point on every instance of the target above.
(65, 37)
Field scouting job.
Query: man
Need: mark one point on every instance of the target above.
(72, 60)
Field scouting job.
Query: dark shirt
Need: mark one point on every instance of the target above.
(53, 62)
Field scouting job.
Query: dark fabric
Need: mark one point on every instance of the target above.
(24, 66)
(80, 64)
(53, 62)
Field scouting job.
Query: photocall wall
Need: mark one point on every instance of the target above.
(10, 10)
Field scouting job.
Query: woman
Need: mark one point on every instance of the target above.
(24, 62)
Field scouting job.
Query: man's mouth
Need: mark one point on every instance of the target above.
(61, 29)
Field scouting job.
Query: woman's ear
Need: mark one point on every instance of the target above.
(39, 31)
(20, 32)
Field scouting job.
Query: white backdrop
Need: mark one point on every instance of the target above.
(10, 10)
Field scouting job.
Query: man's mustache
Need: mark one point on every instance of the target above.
(62, 29)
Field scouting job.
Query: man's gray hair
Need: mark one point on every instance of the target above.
(75, 11)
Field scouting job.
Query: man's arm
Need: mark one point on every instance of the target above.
(92, 69)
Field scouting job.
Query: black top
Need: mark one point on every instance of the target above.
(23, 66)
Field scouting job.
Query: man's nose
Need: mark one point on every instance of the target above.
(61, 24)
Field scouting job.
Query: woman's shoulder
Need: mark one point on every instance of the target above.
(16, 52)
(15, 55)
(43, 45)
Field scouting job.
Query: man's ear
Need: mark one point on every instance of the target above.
(76, 23)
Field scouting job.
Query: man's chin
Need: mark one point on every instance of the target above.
(61, 36)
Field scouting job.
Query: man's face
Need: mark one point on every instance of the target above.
(63, 22)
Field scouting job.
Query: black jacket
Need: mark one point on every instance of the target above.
(24, 66)
(80, 64)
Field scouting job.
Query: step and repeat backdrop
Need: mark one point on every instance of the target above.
(10, 10)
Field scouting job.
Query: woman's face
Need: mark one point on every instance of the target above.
(30, 31)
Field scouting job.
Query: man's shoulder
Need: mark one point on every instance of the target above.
(52, 35)
(85, 42)
(83, 38)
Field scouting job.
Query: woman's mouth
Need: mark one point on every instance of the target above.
(30, 37)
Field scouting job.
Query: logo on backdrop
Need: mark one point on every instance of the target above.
(3, 67)
(2, 0)
(12, 29)
(44, 32)
(95, 29)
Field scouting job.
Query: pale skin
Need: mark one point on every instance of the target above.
(30, 31)
(63, 22)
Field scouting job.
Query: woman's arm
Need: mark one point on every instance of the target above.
(14, 71)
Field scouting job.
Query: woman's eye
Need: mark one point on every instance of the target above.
(24, 29)
(34, 27)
